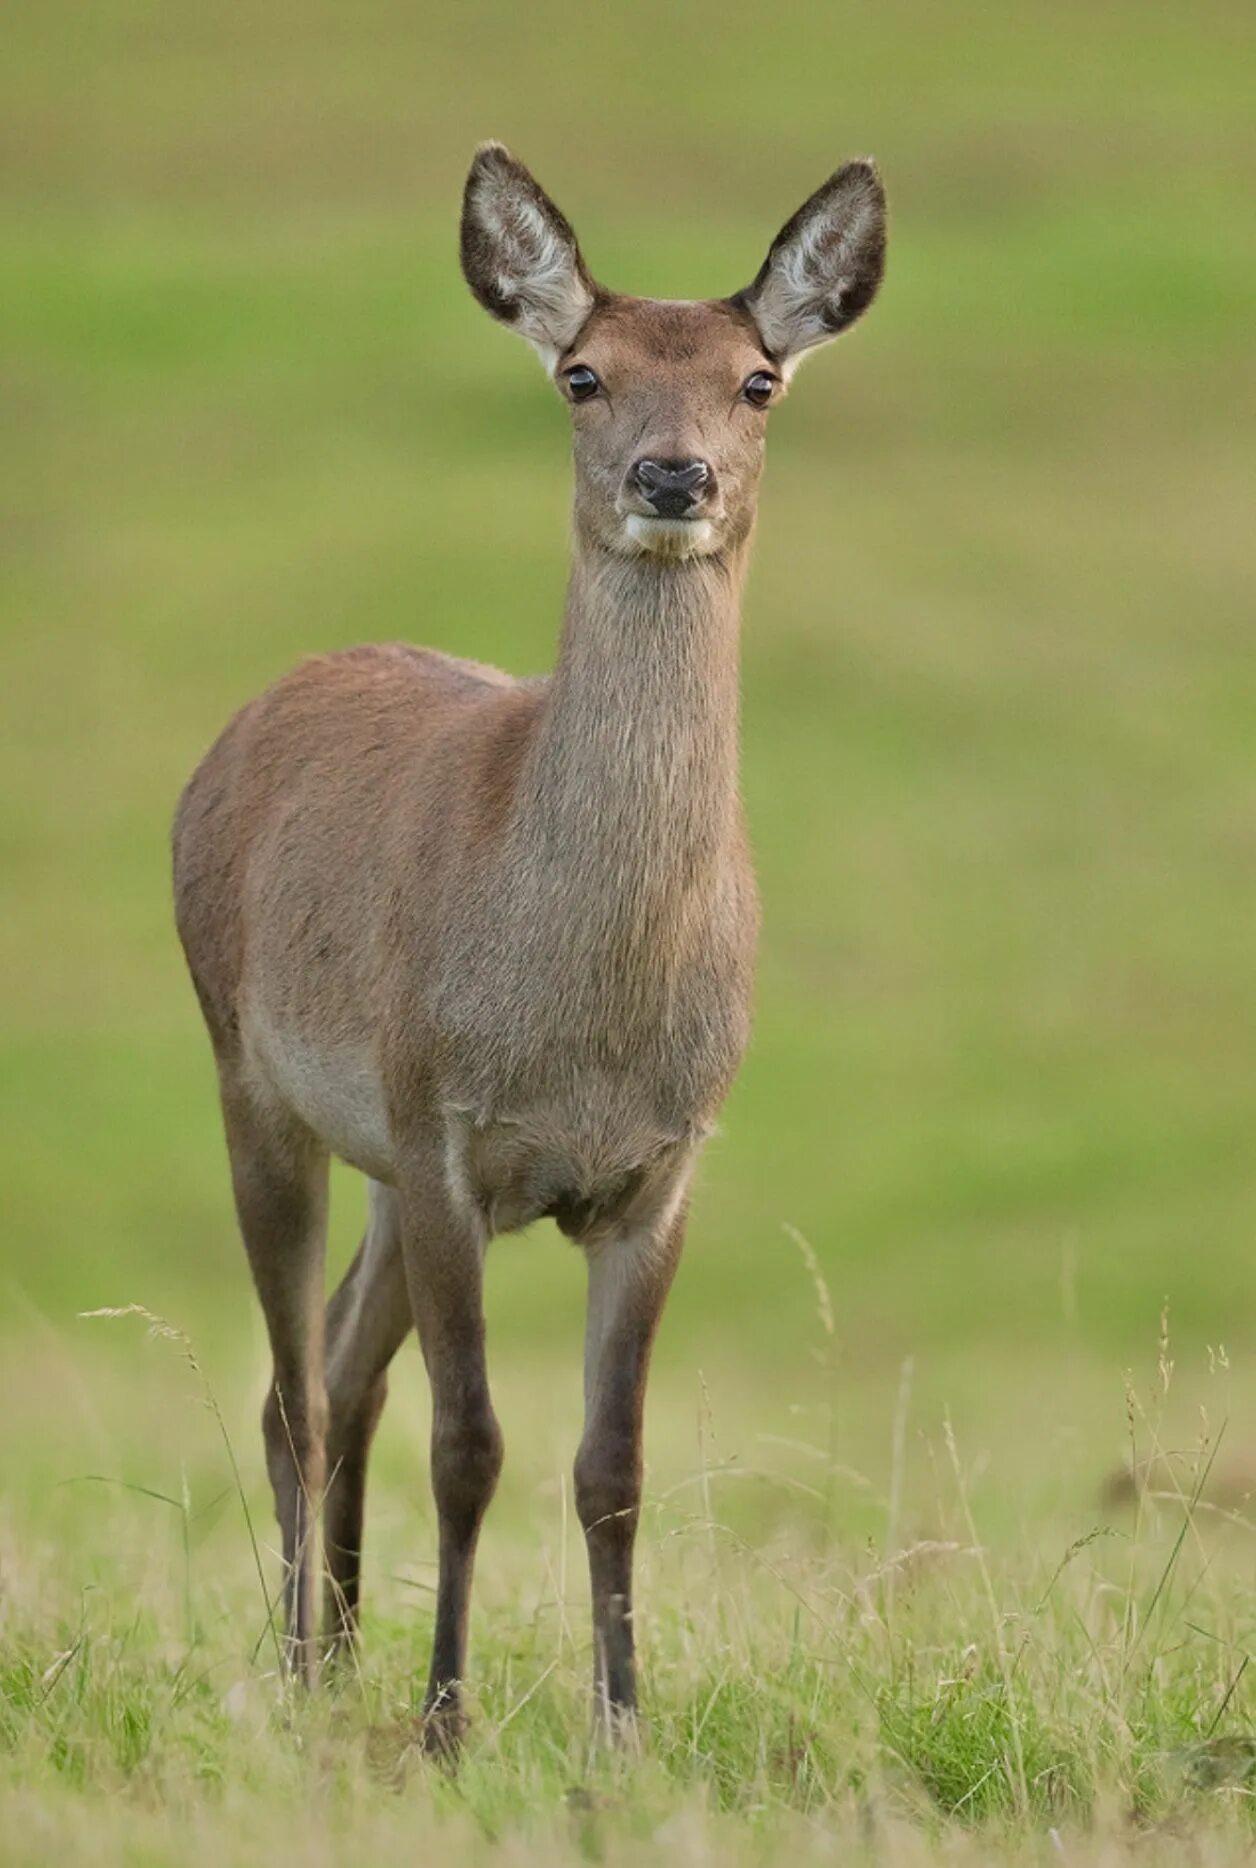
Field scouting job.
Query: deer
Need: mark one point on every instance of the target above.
(491, 941)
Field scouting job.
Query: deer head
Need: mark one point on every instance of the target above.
(669, 398)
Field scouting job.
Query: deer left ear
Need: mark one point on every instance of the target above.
(824, 266)
(520, 256)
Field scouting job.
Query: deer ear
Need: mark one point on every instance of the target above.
(824, 266)
(519, 254)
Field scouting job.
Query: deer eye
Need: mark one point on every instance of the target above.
(757, 389)
(582, 383)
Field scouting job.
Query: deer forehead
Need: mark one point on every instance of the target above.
(629, 339)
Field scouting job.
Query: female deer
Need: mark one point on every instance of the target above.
(491, 941)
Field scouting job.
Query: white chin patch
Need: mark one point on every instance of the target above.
(670, 538)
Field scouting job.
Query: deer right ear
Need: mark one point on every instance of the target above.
(519, 254)
(824, 266)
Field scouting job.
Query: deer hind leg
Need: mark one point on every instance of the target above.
(279, 1174)
(629, 1277)
(368, 1319)
(443, 1248)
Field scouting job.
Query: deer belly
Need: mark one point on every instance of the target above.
(335, 1089)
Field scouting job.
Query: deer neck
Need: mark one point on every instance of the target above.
(631, 791)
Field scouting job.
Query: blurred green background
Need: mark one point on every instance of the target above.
(1000, 713)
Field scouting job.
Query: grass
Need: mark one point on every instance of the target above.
(805, 1690)
(998, 730)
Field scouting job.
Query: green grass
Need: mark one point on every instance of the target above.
(914, 1694)
(998, 728)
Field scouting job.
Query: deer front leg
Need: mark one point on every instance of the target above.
(443, 1249)
(629, 1277)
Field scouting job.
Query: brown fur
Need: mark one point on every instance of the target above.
(491, 942)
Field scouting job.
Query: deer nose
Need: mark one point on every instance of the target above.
(672, 487)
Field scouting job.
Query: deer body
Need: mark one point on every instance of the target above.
(555, 878)
(491, 941)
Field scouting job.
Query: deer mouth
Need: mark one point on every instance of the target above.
(675, 538)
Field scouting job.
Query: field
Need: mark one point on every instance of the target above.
(978, 1228)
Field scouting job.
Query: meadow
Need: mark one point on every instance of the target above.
(977, 1229)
